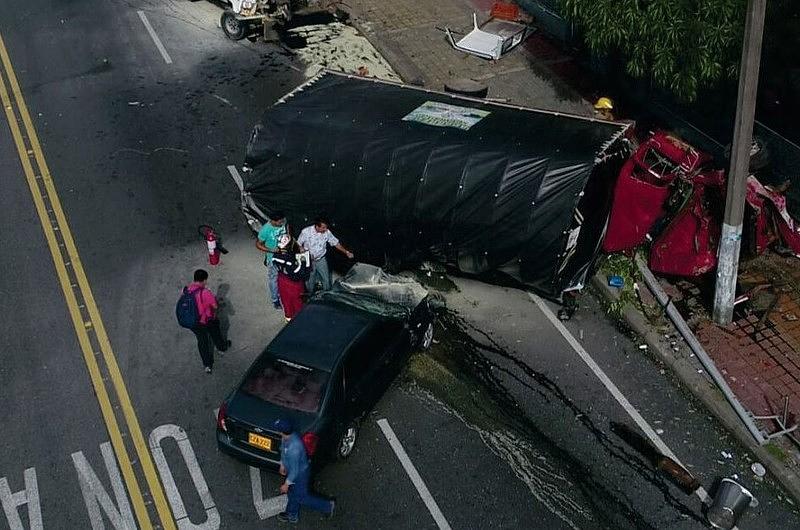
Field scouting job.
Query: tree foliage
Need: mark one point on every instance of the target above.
(682, 45)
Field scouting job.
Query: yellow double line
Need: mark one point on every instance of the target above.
(82, 308)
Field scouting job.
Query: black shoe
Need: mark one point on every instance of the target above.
(227, 345)
(284, 518)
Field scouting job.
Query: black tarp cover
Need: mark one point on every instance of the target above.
(407, 174)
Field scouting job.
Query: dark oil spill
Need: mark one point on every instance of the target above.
(469, 352)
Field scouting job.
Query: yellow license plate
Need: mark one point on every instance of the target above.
(262, 442)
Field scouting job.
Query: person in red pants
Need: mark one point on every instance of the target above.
(294, 268)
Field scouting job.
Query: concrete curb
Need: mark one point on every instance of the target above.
(701, 388)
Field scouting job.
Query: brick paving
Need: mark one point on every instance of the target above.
(407, 31)
(759, 353)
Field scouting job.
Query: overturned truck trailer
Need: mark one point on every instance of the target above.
(407, 174)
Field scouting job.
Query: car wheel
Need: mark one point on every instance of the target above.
(347, 441)
(426, 339)
(234, 28)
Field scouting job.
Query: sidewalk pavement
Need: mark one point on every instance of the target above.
(758, 356)
(759, 353)
(410, 35)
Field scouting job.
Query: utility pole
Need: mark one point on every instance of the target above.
(731, 240)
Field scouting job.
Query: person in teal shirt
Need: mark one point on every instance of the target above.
(267, 241)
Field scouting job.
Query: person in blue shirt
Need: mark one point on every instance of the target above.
(267, 241)
(294, 466)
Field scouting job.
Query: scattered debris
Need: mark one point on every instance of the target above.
(492, 39)
(643, 346)
(337, 46)
(758, 469)
(616, 281)
(676, 473)
(222, 99)
(134, 103)
(729, 504)
(726, 454)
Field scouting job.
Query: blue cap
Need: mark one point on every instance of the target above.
(282, 425)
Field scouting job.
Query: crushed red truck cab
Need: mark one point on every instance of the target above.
(669, 192)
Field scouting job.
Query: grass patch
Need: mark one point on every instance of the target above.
(776, 452)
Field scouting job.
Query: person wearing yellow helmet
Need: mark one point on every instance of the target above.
(603, 107)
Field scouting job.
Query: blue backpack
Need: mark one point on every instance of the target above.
(186, 310)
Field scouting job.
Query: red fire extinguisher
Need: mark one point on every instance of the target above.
(211, 242)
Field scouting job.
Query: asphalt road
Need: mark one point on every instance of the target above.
(137, 132)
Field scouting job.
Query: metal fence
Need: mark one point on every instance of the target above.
(784, 155)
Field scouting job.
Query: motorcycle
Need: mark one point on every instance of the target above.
(246, 17)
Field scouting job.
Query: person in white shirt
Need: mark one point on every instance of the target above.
(315, 239)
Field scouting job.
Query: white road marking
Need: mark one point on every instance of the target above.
(271, 506)
(95, 495)
(212, 521)
(237, 178)
(611, 387)
(29, 496)
(156, 40)
(422, 489)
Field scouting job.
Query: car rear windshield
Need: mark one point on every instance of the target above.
(286, 384)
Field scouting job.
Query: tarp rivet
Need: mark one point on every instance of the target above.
(360, 168)
(333, 164)
(495, 195)
(305, 160)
